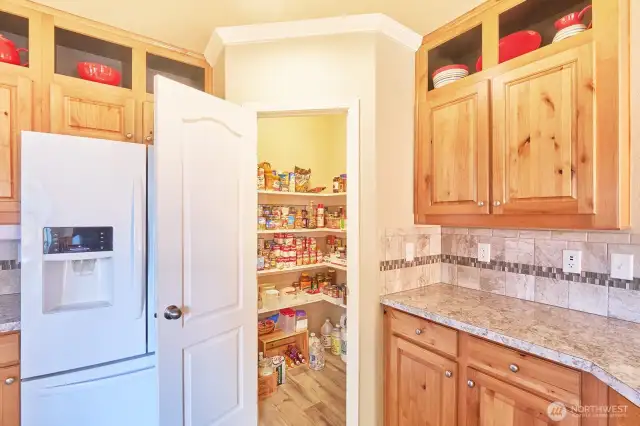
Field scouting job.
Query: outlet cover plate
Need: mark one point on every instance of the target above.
(622, 266)
(484, 252)
(572, 261)
(409, 252)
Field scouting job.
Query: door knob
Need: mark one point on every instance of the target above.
(480, 203)
(418, 331)
(172, 312)
(514, 368)
(148, 138)
(497, 203)
(448, 374)
(471, 383)
(9, 381)
(129, 135)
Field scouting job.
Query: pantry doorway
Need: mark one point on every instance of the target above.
(308, 263)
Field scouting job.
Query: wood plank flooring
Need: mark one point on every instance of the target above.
(308, 398)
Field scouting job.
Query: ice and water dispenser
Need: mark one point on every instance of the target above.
(78, 268)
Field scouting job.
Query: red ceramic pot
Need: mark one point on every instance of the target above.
(574, 18)
(514, 45)
(8, 51)
(98, 73)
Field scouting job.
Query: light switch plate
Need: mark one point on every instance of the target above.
(409, 252)
(484, 252)
(622, 266)
(572, 261)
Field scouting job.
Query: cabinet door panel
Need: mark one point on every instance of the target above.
(15, 116)
(543, 124)
(10, 396)
(420, 393)
(97, 112)
(452, 174)
(491, 402)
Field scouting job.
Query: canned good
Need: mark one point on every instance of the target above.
(291, 262)
(312, 257)
(288, 239)
(299, 259)
(280, 262)
(305, 258)
(277, 251)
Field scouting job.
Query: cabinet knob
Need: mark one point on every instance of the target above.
(129, 135)
(480, 203)
(514, 368)
(148, 138)
(418, 331)
(9, 381)
(448, 374)
(497, 203)
(471, 383)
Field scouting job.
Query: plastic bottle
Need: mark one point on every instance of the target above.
(325, 334)
(335, 340)
(316, 353)
(320, 220)
(343, 345)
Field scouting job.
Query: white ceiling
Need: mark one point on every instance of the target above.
(189, 23)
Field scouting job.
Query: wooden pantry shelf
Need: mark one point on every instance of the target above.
(302, 231)
(303, 194)
(301, 269)
(304, 300)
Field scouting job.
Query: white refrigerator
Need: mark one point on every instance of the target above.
(100, 220)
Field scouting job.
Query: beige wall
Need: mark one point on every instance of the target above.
(379, 73)
(635, 124)
(316, 142)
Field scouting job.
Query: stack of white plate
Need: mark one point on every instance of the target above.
(570, 31)
(449, 74)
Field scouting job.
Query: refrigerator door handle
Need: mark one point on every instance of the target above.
(138, 272)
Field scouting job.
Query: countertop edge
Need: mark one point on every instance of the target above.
(587, 366)
(10, 326)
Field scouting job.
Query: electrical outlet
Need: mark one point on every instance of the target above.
(572, 261)
(622, 266)
(484, 252)
(409, 252)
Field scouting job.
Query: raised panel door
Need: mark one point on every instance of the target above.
(147, 122)
(543, 136)
(452, 151)
(422, 386)
(10, 396)
(492, 402)
(88, 109)
(15, 116)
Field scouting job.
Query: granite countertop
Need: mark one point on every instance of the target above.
(9, 312)
(607, 348)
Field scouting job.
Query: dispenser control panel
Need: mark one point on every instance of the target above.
(77, 239)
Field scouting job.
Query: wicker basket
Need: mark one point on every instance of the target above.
(266, 327)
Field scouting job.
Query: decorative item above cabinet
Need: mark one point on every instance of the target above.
(537, 135)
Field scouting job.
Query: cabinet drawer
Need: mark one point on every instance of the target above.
(552, 380)
(9, 349)
(424, 332)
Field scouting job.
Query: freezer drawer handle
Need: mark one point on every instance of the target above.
(172, 312)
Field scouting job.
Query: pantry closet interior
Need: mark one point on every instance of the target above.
(302, 271)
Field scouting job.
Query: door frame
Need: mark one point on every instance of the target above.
(352, 110)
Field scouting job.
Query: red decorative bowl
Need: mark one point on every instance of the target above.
(514, 45)
(99, 73)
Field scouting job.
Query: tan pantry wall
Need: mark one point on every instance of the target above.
(316, 142)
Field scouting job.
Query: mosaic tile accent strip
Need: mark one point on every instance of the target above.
(543, 271)
(390, 265)
(9, 265)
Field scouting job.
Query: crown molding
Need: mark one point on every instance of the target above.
(349, 24)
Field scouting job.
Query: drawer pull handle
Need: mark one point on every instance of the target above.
(480, 203)
(148, 138)
(471, 383)
(9, 381)
(497, 203)
(418, 331)
(514, 368)
(129, 135)
(448, 374)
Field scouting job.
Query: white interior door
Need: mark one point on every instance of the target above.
(205, 168)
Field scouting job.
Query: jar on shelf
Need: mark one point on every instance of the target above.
(305, 281)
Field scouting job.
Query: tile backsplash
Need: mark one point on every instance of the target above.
(526, 264)
(9, 267)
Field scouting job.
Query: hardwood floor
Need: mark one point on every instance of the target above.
(309, 398)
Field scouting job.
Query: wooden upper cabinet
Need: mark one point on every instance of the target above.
(421, 386)
(82, 108)
(543, 136)
(147, 122)
(15, 116)
(452, 175)
(490, 402)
